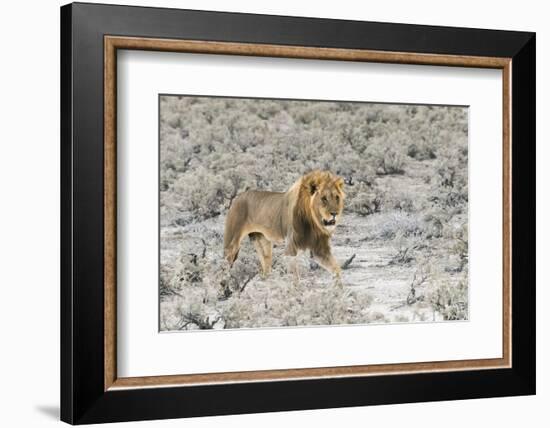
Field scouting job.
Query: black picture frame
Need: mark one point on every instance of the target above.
(83, 398)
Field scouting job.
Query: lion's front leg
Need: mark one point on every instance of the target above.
(330, 264)
(291, 254)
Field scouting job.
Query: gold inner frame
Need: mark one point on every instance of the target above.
(113, 43)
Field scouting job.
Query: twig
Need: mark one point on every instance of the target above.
(401, 305)
(165, 290)
(418, 280)
(348, 262)
(203, 248)
(193, 258)
(246, 283)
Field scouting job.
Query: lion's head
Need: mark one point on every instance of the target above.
(326, 194)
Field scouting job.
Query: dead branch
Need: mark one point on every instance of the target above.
(193, 258)
(195, 318)
(246, 282)
(203, 248)
(348, 262)
(167, 291)
(418, 279)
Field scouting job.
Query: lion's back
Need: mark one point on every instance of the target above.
(260, 209)
(257, 204)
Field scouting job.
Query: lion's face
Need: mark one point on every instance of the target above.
(327, 201)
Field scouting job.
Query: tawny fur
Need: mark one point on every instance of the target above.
(304, 218)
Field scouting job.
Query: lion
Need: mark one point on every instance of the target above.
(304, 217)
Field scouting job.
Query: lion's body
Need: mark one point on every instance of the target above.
(304, 217)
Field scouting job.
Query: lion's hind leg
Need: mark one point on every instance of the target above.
(264, 249)
(231, 250)
(234, 232)
(231, 254)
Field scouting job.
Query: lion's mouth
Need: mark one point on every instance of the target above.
(331, 222)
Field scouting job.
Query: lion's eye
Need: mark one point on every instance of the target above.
(337, 198)
(324, 199)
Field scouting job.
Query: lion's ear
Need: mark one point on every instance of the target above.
(313, 186)
(312, 182)
(339, 183)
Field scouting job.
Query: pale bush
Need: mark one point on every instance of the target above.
(364, 200)
(238, 313)
(405, 249)
(421, 151)
(243, 271)
(450, 189)
(401, 202)
(450, 299)
(393, 224)
(388, 161)
(435, 221)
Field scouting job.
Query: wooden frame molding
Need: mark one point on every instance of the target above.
(113, 43)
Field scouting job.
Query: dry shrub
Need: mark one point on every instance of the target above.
(421, 151)
(388, 161)
(394, 224)
(450, 189)
(364, 200)
(450, 299)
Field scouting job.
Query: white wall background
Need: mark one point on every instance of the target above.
(29, 214)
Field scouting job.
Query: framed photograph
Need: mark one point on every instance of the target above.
(266, 213)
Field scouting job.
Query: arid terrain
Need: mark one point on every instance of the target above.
(403, 240)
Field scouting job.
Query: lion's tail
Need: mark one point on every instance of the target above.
(227, 233)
